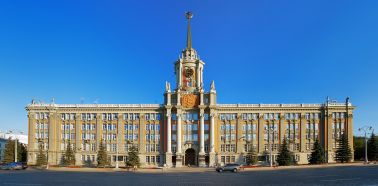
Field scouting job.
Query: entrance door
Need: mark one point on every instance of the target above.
(174, 160)
(190, 157)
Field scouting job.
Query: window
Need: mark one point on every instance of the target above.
(206, 117)
(147, 159)
(206, 126)
(206, 137)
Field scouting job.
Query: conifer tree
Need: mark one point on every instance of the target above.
(102, 156)
(69, 155)
(343, 152)
(9, 152)
(252, 157)
(317, 154)
(41, 157)
(133, 158)
(285, 157)
(372, 148)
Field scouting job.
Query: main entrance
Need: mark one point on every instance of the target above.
(190, 157)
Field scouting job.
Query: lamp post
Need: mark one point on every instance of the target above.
(366, 129)
(15, 144)
(117, 136)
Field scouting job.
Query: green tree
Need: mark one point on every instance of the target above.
(285, 157)
(69, 155)
(372, 148)
(102, 156)
(251, 157)
(359, 148)
(41, 157)
(23, 152)
(133, 158)
(9, 152)
(317, 154)
(343, 151)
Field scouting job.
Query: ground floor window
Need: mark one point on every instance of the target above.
(152, 159)
(228, 159)
(147, 159)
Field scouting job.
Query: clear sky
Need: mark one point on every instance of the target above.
(123, 52)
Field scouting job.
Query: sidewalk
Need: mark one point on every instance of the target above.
(199, 169)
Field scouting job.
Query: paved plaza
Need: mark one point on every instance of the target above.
(338, 175)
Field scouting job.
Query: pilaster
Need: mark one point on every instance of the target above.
(239, 134)
(330, 140)
(303, 132)
(282, 127)
(78, 149)
(261, 134)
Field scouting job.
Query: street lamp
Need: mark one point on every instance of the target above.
(117, 136)
(15, 144)
(366, 129)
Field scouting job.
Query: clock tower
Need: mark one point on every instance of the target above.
(187, 105)
(189, 67)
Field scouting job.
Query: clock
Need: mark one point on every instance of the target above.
(189, 72)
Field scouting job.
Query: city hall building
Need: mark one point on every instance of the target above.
(189, 127)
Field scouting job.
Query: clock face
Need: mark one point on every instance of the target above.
(189, 72)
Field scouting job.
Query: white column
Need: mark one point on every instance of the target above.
(179, 75)
(178, 150)
(198, 78)
(169, 135)
(212, 129)
(202, 134)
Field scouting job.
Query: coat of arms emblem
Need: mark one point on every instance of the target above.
(189, 100)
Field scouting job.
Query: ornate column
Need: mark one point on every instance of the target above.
(212, 156)
(212, 133)
(168, 154)
(201, 157)
(202, 133)
(178, 146)
(198, 83)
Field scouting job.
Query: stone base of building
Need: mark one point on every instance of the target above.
(201, 160)
(168, 160)
(212, 159)
(179, 160)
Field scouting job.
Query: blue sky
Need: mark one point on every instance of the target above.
(123, 52)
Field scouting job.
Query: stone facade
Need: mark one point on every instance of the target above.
(190, 127)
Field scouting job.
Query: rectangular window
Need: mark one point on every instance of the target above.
(206, 117)
(206, 126)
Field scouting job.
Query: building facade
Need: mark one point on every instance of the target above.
(190, 127)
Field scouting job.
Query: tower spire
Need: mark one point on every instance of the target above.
(189, 15)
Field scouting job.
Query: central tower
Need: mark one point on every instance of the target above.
(186, 108)
(189, 67)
